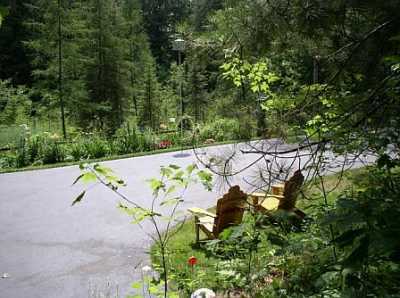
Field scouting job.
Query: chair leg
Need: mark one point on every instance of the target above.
(197, 229)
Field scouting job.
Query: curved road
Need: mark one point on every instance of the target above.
(49, 249)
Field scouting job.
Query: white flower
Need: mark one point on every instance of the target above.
(146, 269)
(24, 126)
(5, 275)
(200, 293)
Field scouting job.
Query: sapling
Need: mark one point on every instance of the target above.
(168, 190)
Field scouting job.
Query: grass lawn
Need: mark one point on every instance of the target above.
(182, 244)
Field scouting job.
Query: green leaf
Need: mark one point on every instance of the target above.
(277, 239)
(122, 206)
(79, 198)
(136, 285)
(358, 255)
(102, 170)
(348, 237)
(206, 179)
(166, 171)
(77, 179)
(178, 176)
(156, 184)
(88, 177)
(173, 201)
(3, 13)
(139, 214)
(175, 167)
(191, 168)
(392, 59)
(121, 182)
(170, 189)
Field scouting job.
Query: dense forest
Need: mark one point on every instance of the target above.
(107, 76)
(92, 66)
(97, 64)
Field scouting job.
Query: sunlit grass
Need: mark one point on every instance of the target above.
(182, 244)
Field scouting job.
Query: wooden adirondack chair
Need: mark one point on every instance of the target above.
(230, 209)
(282, 198)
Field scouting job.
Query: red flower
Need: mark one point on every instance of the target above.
(192, 261)
(164, 144)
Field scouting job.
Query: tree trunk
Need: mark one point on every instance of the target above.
(60, 89)
(13, 5)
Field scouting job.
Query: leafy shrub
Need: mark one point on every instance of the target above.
(172, 138)
(147, 141)
(186, 123)
(22, 156)
(96, 147)
(366, 220)
(220, 130)
(10, 136)
(34, 144)
(78, 151)
(17, 105)
(52, 152)
(247, 128)
(126, 139)
(8, 161)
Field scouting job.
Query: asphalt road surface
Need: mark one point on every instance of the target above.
(49, 249)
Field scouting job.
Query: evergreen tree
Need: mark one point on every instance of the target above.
(14, 57)
(150, 96)
(160, 19)
(138, 51)
(197, 85)
(201, 10)
(108, 72)
(48, 20)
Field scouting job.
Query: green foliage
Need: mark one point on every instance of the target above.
(167, 191)
(147, 140)
(256, 75)
(96, 148)
(366, 221)
(266, 259)
(77, 151)
(220, 129)
(126, 139)
(28, 149)
(152, 287)
(3, 14)
(52, 152)
(15, 104)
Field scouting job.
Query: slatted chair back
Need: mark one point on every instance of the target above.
(291, 191)
(230, 209)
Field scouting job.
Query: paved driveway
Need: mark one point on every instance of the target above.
(50, 249)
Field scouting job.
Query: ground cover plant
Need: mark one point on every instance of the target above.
(302, 262)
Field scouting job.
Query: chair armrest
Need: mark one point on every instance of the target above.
(280, 197)
(257, 195)
(199, 211)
